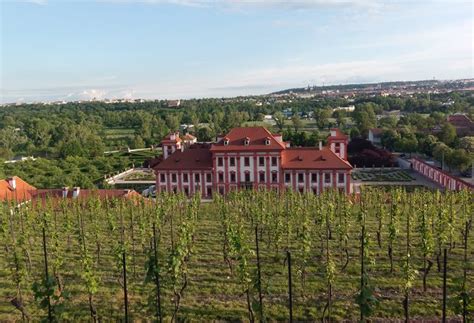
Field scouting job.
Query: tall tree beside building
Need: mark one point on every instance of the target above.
(447, 134)
(297, 123)
(279, 120)
(364, 117)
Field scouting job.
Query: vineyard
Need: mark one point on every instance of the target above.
(249, 256)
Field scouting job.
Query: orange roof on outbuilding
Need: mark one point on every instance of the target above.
(22, 192)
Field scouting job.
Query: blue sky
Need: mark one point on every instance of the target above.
(69, 50)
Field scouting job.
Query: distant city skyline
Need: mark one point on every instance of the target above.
(169, 49)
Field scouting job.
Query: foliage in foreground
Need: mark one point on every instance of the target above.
(377, 255)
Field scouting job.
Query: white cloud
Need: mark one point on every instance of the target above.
(93, 94)
(293, 4)
(37, 2)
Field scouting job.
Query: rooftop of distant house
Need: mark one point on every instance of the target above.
(16, 189)
(461, 120)
(463, 124)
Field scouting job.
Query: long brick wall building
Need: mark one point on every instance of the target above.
(446, 180)
(253, 158)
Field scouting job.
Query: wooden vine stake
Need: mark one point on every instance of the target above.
(157, 277)
(445, 263)
(259, 276)
(290, 287)
(46, 273)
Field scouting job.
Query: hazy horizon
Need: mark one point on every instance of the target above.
(169, 49)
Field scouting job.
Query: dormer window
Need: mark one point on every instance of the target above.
(247, 141)
(267, 141)
(226, 141)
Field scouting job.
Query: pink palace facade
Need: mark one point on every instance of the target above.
(252, 158)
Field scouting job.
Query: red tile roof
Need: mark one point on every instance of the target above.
(312, 158)
(462, 123)
(190, 159)
(168, 139)
(464, 126)
(460, 119)
(22, 192)
(256, 135)
(188, 137)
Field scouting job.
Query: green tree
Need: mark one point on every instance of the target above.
(10, 139)
(38, 130)
(81, 141)
(204, 134)
(355, 133)
(467, 143)
(426, 144)
(447, 134)
(279, 120)
(364, 117)
(321, 117)
(459, 159)
(137, 142)
(438, 117)
(389, 138)
(407, 144)
(441, 151)
(388, 122)
(173, 121)
(297, 123)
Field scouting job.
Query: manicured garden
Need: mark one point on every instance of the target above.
(382, 175)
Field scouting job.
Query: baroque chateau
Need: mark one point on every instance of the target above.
(252, 158)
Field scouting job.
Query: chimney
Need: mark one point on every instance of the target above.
(320, 145)
(75, 192)
(12, 182)
(65, 190)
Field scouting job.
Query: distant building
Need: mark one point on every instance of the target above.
(20, 159)
(288, 113)
(253, 158)
(443, 178)
(186, 127)
(16, 191)
(464, 126)
(375, 136)
(393, 113)
(267, 117)
(174, 103)
(188, 140)
(349, 108)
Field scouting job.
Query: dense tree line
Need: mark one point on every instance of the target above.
(83, 129)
